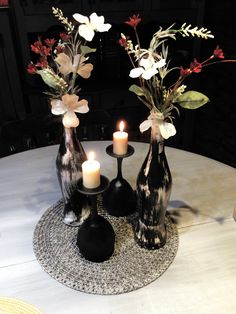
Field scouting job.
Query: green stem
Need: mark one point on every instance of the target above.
(75, 74)
(137, 38)
(139, 49)
(176, 83)
(171, 95)
(69, 48)
(131, 60)
(75, 44)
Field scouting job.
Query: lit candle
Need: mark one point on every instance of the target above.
(91, 172)
(120, 141)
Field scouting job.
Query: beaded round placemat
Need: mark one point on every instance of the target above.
(130, 267)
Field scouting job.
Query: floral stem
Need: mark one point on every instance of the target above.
(211, 57)
(139, 49)
(181, 78)
(69, 48)
(137, 38)
(215, 62)
(170, 97)
(131, 60)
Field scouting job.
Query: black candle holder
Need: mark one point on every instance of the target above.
(96, 237)
(119, 199)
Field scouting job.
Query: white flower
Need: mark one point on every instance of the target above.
(88, 27)
(68, 105)
(148, 67)
(145, 125)
(166, 129)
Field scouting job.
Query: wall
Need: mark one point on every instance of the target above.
(204, 131)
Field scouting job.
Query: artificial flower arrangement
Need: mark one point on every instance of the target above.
(61, 62)
(151, 68)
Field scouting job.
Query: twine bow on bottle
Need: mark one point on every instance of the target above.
(156, 119)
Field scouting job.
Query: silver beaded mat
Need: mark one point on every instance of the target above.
(130, 267)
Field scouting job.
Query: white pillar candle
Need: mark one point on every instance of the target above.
(91, 172)
(120, 141)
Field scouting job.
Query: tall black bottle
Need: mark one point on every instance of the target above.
(69, 161)
(154, 183)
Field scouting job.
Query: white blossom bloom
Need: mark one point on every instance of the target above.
(148, 67)
(90, 25)
(68, 105)
(145, 125)
(166, 129)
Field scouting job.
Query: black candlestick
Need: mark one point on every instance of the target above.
(96, 237)
(119, 198)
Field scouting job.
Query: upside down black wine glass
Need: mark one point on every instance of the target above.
(96, 237)
(119, 199)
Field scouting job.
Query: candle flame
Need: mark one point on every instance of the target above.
(91, 156)
(122, 126)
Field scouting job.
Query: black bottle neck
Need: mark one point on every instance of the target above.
(70, 141)
(70, 136)
(157, 141)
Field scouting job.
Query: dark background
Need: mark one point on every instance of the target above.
(25, 118)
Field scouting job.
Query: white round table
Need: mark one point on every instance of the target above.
(202, 278)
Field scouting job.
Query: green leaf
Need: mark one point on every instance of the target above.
(52, 79)
(192, 100)
(86, 49)
(137, 90)
(143, 92)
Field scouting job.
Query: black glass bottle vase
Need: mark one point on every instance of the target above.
(154, 183)
(69, 161)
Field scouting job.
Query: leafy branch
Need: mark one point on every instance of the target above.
(202, 32)
(64, 20)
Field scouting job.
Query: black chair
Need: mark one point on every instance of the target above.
(39, 131)
(20, 135)
(94, 125)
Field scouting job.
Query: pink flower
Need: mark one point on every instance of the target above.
(196, 66)
(59, 49)
(123, 41)
(46, 51)
(185, 72)
(64, 36)
(50, 42)
(134, 21)
(42, 63)
(38, 48)
(218, 53)
(31, 69)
